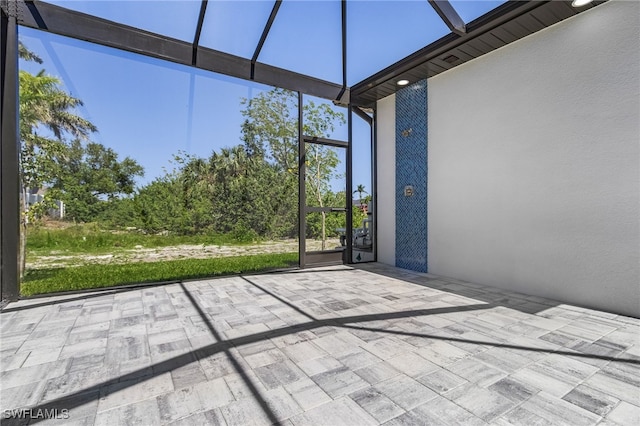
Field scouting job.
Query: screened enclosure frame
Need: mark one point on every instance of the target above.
(467, 40)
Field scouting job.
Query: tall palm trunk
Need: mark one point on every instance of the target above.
(22, 254)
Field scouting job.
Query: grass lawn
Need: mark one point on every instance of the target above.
(90, 239)
(88, 277)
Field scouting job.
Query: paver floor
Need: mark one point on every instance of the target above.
(333, 346)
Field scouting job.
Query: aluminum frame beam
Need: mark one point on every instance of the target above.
(302, 200)
(360, 113)
(81, 26)
(325, 141)
(9, 152)
(196, 37)
(348, 194)
(449, 15)
(343, 10)
(263, 37)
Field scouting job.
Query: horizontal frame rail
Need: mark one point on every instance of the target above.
(324, 141)
(70, 23)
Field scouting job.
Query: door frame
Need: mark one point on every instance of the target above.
(326, 257)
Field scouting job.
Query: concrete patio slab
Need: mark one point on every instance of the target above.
(338, 345)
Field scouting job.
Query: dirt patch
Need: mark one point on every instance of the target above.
(161, 254)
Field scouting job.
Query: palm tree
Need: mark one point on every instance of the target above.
(43, 105)
(26, 54)
(360, 190)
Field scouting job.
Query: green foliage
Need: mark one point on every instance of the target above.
(88, 176)
(26, 54)
(270, 129)
(248, 191)
(118, 213)
(158, 207)
(83, 176)
(360, 189)
(270, 132)
(86, 277)
(239, 194)
(45, 106)
(243, 234)
(358, 215)
(333, 222)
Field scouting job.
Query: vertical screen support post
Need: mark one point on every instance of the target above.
(9, 152)
(349, 194)
(302, 200)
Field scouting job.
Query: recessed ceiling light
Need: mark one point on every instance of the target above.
(580, 3)
(402, 82)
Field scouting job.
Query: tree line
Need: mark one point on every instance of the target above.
(249, 190)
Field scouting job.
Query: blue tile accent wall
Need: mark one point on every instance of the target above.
(411, 169)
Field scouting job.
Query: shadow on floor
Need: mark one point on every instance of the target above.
(349, 322)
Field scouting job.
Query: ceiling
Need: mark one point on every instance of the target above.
(349, 51)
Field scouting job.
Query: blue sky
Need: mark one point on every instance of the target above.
(149, 109)
(305, 37)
